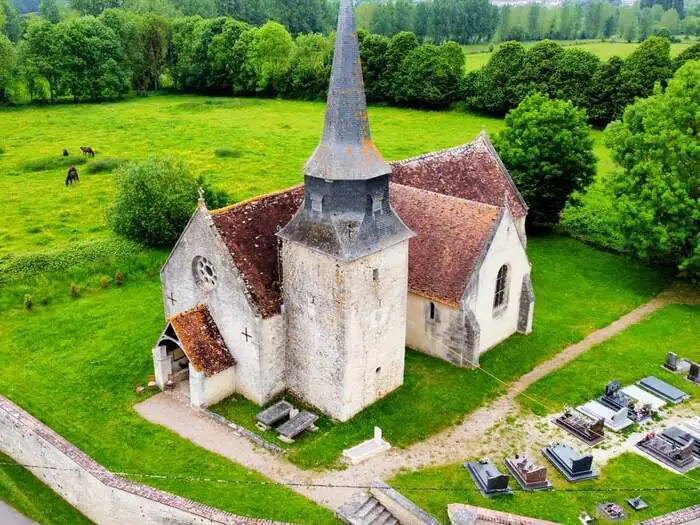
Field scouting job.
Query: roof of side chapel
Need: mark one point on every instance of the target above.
(201, 340)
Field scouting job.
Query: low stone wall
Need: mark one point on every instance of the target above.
(97, 493)
(243, 432)
(687, 515)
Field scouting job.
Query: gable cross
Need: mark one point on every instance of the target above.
(246, 334)
(172, 298)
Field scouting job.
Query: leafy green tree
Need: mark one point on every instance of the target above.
(93, 7)
(373, 51)
(49, 10)
(310, 67)
(10, 21)
(572, 78)
(155, 41)
(605, 101)
(646, 22)
(244, 76)
(270, 55)
(203, 8)
(223, 61)
(155, 199)
(689, 53)
(397, 51)
(43, 57)
(128, 27)
(547, 147)
(628, 25)
(7, 65)
(186, 69)
(427, 78)
(691, 26)
(657, 191)
(648, 64)
(540, 64)
(455, 57)
(496, 88)
(671, 21)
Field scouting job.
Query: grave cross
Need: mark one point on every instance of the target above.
(172, 298)
(246, 334)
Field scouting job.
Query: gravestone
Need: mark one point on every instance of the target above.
(637, 503)
(488, 478)
(612, 511)
(671, 361)
(694, 373)
(274, 415)
(572, 465)
(678, 457)
(590, 432)
(529, 475)
(663, 390)
(616, 399)
(612, 387)
(301, 422)
(681, 437)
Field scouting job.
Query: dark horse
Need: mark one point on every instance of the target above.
(72, 176)
(65, 152)
(87, 150)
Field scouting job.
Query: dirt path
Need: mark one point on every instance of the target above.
(450, 446)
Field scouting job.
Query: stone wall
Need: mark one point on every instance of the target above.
(97, 493)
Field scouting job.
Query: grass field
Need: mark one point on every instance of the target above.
(28, 495)
(624, 477)
(628, 357)
(478, 55)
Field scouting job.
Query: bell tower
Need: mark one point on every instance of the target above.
(345, 257)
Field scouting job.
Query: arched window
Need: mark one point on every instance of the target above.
(432, 310)
(500, 295)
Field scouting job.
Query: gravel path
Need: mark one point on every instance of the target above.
(449, 446)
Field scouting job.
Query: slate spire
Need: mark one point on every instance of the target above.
(346, 151)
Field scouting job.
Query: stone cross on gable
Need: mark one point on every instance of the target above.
(171, 298)
(246, 334)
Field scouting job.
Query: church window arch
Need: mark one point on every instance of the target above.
(204, 272)
(500, 295)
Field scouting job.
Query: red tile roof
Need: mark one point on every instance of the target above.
(201, 341)
(249, 229)
(451, 235)
(473, 171)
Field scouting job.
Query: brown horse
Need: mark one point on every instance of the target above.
(72, 176)
(65, 152)
(87, 151)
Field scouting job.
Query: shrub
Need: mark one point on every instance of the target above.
(74, 290)
(104, 165)
(227, 152)
(28, 302)
(155, 199)
(52, 163)
(213, 197)
(118, 279)
(104, 281)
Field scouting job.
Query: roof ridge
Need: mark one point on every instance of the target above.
(445, 195)
(198, 308)
(250, 200)
(431, 154)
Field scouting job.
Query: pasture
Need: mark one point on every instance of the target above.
(478, 55)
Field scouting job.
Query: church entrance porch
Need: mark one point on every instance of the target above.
(170, 362)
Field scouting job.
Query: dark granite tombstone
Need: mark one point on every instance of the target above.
(663, 390)
(678, 457)
(529, 475)
(572, 465)
(488, 478)
(273, 415)
(616, 399)
(590, 432)
(682, 438)
(612, 511)
(612, 387)
(671, 361)
(637, 503)
(694, 373)
(296, 425)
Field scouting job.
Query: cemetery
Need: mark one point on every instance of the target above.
(488, 479)
(572, 465)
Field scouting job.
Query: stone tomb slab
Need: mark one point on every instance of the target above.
(614, 420)
(662, 389)
(682, 438)
(659, 447)
(611, 511)
(529, 476)
(488, 478)
(591, 432)
(637, 503)
(573, 466)
(367, 449)
(298, 424)
(273, 415)
(644, 397)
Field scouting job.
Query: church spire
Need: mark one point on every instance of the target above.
(346, 151)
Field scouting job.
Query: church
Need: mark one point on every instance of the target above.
(317, 290)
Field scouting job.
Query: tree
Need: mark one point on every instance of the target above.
(428, 77)
(691, 26)
(657, 191)
(7, 64)
(155, 41)
(547, 147)
(10, 21)
(397, 51)
(541, 61)
(628, 26)
(93, 7)
(496, 87)
(155, 199)
(223, 61)
(270, 54)
(49, 10)
(43, 57)
(689, 53)
(648, 64)
(373, 52)
(605, 102)
(310, 67)
(671, 21)
(572, 78)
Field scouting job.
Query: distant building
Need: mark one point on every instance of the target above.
(316, 290)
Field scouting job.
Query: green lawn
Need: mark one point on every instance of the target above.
(635, 353)
(578, 291)
(624, 477)
(28, 495)
(478, 55)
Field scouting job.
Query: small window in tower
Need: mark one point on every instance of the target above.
(375, 274)
(377, 201)
(317, 202)
(432, 310)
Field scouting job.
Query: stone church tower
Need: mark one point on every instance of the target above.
(344, 257)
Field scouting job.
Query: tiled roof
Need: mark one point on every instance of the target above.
(201, 341)
(451, 235)
(248, 229)
(473, 171)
